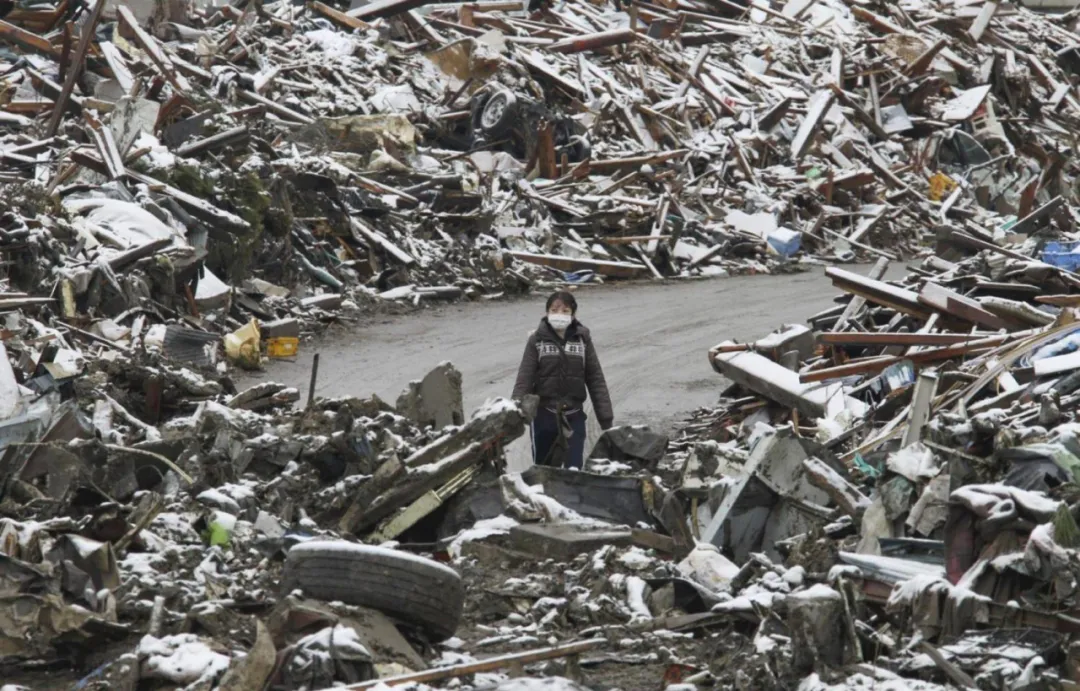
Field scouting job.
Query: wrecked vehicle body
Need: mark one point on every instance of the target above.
(500, 118)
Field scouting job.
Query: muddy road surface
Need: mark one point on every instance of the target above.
(652, 340)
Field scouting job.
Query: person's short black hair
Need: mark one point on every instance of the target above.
(563, 297)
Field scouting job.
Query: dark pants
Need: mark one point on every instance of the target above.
(545, 438)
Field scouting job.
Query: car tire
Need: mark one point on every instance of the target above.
(499, 112)
(418, 592)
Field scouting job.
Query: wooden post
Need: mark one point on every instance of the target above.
(314, 378)
(78, 61)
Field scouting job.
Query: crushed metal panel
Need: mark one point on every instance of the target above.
(616, 499)
(190, 345)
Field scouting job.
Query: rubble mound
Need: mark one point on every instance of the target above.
(884, 499)
(272, 161)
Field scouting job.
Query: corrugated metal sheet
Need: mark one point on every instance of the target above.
(190, 345)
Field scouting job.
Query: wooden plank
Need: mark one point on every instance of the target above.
(613, 164)
(106, 147)
(78, 63)
(774, 115)
(879, 292)
(489, 665)
(422, 26)
(942, 299)
(658, 225)
(274, 107)
(867, 224)
(604, 268)
(385, 8)
(233, 136)
(836, 66)
(979, 26)
(878, 364)
(857, 303)
(880, 23)
(28, 40)
(117, 65)
(1033, 221)
(198, 207)
(645, 260)
(339, 17)
(154, 51)
(374, 237)
(1059, 300)
(771, 380)
(846, 495)
(875, 338)
(1042, 74)
(819, 106)
(863, 116)
(597, 41)
(693, 71)
(538, 65)
(923, 62)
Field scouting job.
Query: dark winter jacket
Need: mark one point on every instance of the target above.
(561, 370)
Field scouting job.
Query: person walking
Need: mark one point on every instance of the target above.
(560, 365)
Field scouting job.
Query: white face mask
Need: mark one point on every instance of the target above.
(560, 322)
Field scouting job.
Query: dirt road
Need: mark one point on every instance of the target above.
(652, 341)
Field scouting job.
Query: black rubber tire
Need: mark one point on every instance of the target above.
(499, 113)
(417, 591)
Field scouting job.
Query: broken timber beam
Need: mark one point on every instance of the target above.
(1032, 221)
(613, 164)
(922, 357)
(153, 51)
(385, 8)
(198, 207)
(370, 236)
(898, 339)
(488, 665)
(815, 113)
(982, 22)
(339, 17)
(119, 261)
(846, 495)
(858, 302)
(274, 107)
(75, 67)
(236, 135)
(597, 41)
(604, 268)
(28, 40)
(954, 304)
(771, 380)
(866, 118)
(879, 292)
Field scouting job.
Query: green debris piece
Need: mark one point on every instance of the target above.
(814, 173)
(865, 467)
(1066, 532)
(218, 535)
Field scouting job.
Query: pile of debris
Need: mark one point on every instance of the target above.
(218, 164)
(887, 497)
(928, 460)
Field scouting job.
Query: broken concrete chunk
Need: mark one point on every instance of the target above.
(436, 400)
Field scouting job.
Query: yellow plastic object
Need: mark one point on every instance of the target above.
(940, 185)
(284, 346)
(242, 346)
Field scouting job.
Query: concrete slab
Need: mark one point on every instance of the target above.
(564, 541)
(436, 399)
